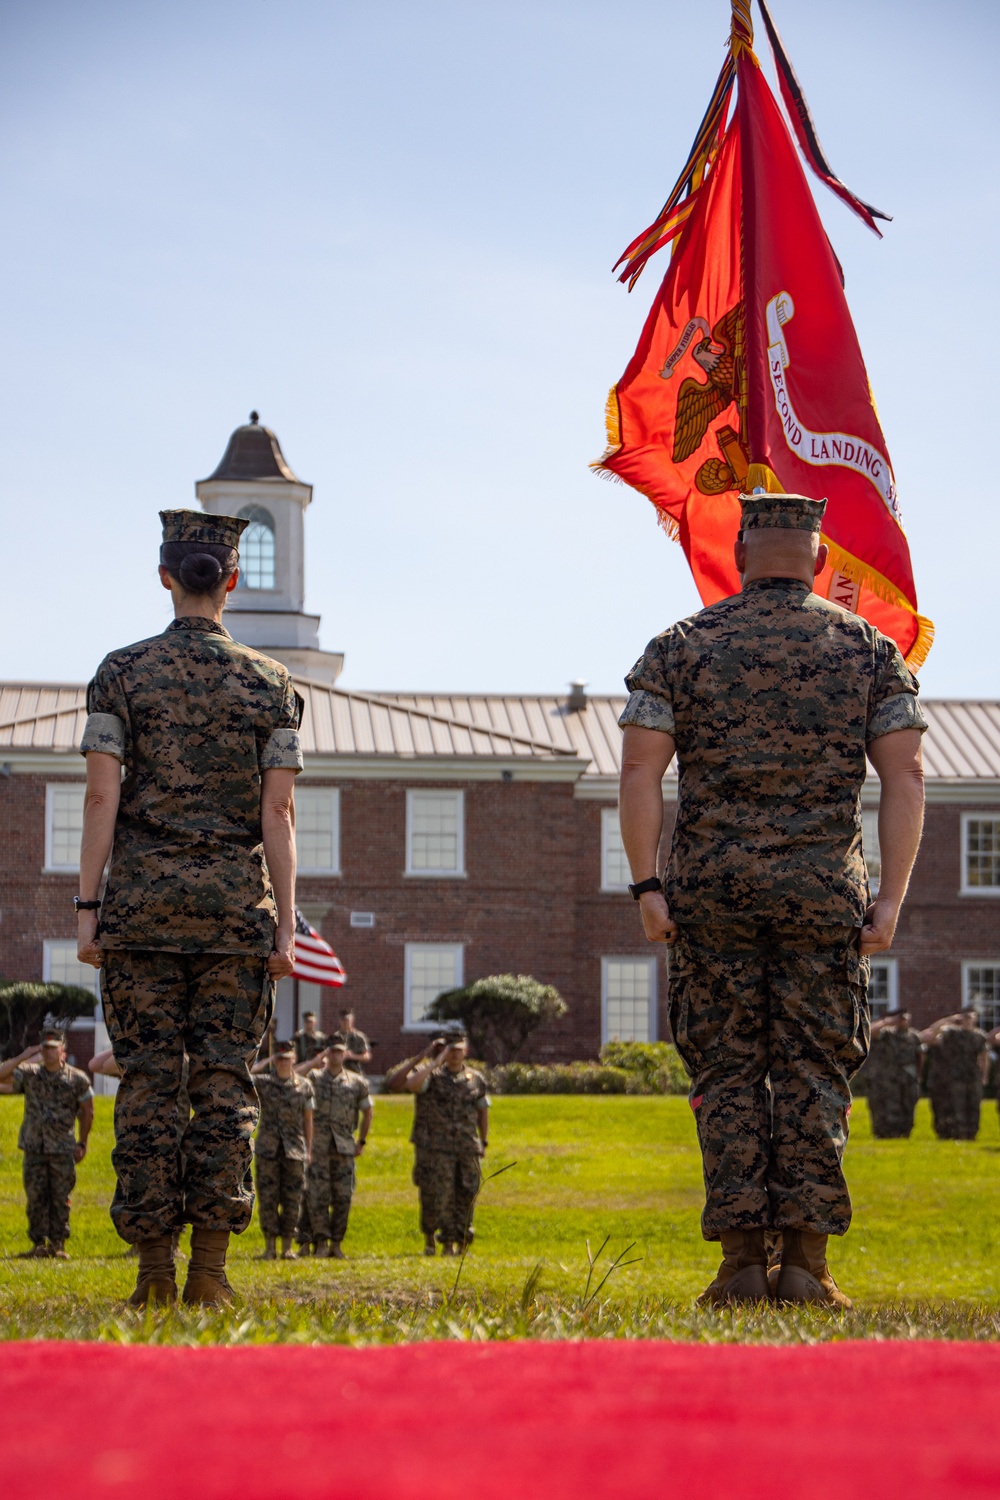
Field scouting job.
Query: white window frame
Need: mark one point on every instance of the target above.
(629, 958)
(985, 891)
(414, 795)
(870, 845)
(51, 789)
(458, 949)
(90, 979)
(610, 830)
(974, 963)
(333, 792)
(892, 964)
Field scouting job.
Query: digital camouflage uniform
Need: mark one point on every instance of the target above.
(47, 1137)
(892, 1080)
(339, 1099)
(280, 1151)
(354, 1041)
(771, 697)
(955, 1083)
(187, 918)
(307, 1047)
(448, 1152)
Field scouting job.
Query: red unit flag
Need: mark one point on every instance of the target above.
(748, 372)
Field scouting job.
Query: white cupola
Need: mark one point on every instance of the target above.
(266, 609)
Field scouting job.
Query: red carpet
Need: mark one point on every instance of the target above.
(602, 1421)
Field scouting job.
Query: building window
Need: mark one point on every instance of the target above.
(317, 830)
(257, 552)
(60, 965)
(980, 855)
(870, 845)
(63, 825)
(435, 833)
(431, 968)
(883, 992)
(628, 999)
(615, 874)
(981, 988)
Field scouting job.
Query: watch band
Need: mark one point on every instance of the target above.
(652, 884)
(79, 905)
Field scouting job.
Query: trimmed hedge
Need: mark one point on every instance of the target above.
(624, 1068)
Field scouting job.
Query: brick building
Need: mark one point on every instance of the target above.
(444, 837)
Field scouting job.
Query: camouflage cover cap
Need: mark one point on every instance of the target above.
(789, 512)
(52, 1039)
(284, 1049)
(197, 526)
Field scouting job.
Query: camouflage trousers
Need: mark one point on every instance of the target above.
(892, 1104)
(48, 1182)
(448, 1184)
(752, 1004)
(213, 1007)
(955, 1105)
(331, 1181)
(281, 1182)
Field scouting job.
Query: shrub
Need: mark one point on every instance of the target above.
(557, 1078)
(26, 1008)
(653, 1067)
(499, 1012)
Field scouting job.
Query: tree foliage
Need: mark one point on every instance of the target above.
(25, 1009)
(499, 1012)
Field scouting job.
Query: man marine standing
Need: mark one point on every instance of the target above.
(450, 1135)
(955, 1071)
(56, 1096)
(359, 1048)
(892, 1076)
(309, 1041)
(283, 1147)
(771, 699)
(197, 919)
(341, 1101)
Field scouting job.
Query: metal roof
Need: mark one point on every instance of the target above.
(962, 742)
(253, 452)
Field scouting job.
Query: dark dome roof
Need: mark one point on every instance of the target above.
(253, 452)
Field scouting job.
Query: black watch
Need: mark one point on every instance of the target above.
(79, 905)
(652, 884)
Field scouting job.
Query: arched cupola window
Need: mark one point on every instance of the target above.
(257, 555)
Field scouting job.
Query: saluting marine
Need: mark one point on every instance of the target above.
(55, 1097)
(342, 1101)
(771, 699)
(892, 1076)
(283, 1147)
(450, 1134)
(197, 918)
(955, 1071)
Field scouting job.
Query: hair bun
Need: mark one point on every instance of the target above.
(199, 572)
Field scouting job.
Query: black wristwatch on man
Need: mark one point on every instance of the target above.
(654, 883)
(79, 905)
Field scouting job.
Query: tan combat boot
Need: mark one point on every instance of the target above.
(742, 1277)
(287, 1251)
(805, 1275)
(156, 1283)
(206, 1284)
(270, 1248)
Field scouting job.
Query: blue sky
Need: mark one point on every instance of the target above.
(390, 229)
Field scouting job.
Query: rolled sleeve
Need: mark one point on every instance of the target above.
(105, 733)
(283, 751)
(901, 711)
(648, 711)
(893, 704)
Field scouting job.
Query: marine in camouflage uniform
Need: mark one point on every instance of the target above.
(188, 916)
(953, 1076)
(892, 1076)
(770, 698)
(359, 1048)
(342, 1101)
(450, 1134)
(55, 1096)
(309, 1044)
(282, 1148)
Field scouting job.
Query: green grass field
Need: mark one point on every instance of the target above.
(921, 1259)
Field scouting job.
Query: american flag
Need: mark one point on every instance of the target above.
(315, 960)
